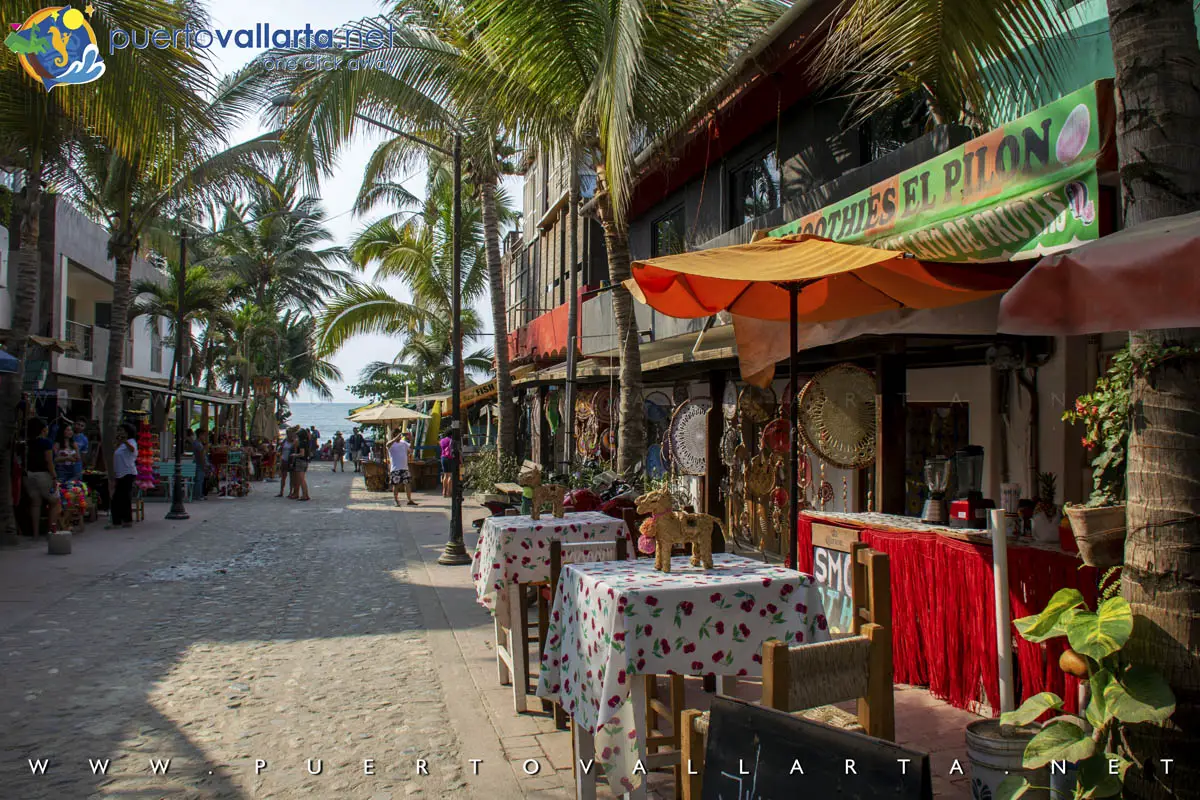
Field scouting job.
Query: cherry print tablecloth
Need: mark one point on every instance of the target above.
(612, 621)
(517, 550)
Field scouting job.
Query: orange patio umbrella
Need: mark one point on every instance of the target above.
(803, 278)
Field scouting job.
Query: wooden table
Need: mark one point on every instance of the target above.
(615, 621)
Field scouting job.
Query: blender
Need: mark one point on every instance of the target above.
(937, 481)
(970, 509)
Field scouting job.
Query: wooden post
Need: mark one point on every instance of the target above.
(692, 756)
(891, 388)
(714, 504)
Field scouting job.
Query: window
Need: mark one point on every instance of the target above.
(156, 348)
(104, 315)
(666, 237)
(755, 187)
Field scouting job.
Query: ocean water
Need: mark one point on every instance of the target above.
(328, 417)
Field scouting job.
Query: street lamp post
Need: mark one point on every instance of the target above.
(177, 510)
(455, 552)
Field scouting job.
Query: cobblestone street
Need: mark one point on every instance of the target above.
(260, 630)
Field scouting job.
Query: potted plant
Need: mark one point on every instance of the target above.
(1120, 693)
(1104, 413)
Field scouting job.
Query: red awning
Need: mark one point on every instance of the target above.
(1143, 278)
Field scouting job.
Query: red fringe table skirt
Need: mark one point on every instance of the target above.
(944, 613)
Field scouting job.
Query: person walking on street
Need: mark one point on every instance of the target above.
(446, 445)
(124, 472)
(300, 459)
(81, 444)
(40, 486)
(356, 448)
(286, 451)
(339, 452)
(399, 449)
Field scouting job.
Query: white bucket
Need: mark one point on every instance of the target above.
(995, 753)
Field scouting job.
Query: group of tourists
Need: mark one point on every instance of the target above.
(294, 457)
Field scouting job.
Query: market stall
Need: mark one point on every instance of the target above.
(943, 611)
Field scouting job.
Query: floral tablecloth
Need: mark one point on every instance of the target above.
(517, 550)
(612, 621)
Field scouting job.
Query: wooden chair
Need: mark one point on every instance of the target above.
(807, 679)
(570, 553)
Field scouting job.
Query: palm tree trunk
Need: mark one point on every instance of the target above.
(123, 252)
(572, 308)
(506, 432)
(1158, 142)
(631, 443)
(25, 300)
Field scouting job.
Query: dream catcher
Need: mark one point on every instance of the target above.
(729, 444)
(729, 402)
(776, 437)
(604, 407)
(689, 436)
(837, 416)
(756, 405)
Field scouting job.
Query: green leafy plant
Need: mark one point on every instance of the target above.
(482, 472)
(679, 494)
(1121, 693)
(1105, 414)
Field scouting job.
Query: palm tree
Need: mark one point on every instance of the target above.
(272, 246)
(129, 195)
(205, 296)
(955, 59)
(414, 85)
(592, 78)
(1158, 142)
(125, 109)
(417, 249)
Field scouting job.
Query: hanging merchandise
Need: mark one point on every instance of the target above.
(554, 412)
(775, 436)
(608, 441)
(604, 406)
(729, 444)
(837, 416)
(655, 466)
(689, 436)
(756, 405)
(147, 453)
(729, 401)
(680, 393)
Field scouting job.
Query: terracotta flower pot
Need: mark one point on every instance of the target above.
(1100, 534)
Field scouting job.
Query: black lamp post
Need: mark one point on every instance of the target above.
(177, 510)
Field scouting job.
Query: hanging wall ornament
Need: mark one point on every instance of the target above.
(689, 436)
(837, 416)
(729, 401)
(756, 405)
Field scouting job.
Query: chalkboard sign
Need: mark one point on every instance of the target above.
(833, 572)
(757, 753)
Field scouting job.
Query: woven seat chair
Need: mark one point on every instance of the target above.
(808, 679)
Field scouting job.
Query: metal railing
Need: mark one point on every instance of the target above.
(81, 336)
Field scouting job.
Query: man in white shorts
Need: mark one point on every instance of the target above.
(399, 449)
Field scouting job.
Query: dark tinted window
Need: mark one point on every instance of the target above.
(667, 235)
(755, 187)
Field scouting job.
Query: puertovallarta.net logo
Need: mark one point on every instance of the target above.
(57, 46)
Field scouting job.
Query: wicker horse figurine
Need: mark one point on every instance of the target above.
(666, 527)
(552, 493)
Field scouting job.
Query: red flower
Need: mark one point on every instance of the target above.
(614, 701)
(651, 600)
(822, 623)
(757, 658)
(717, 656)
(649, 629)
(801, 608)
(720, 627)
(715, 598)
(772, 608)
(744, 628)
(762, 612)
(665, 645)
(748, 605)
(689, 648)
(786, 590)
(641, 663)
(697, 665)
(766, 582)
(618, 637)
(686, 608)
(621, 677)
(799, 636)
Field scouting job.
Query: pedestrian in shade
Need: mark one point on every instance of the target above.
(40, 486)
(124, 472)
(339, 452)
(300, 458)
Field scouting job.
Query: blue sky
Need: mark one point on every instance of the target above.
(337, 191)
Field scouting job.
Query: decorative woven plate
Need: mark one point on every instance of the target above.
(604, 407)
(757, 405)
(825, 493)
(729, 401)
(608, 441)
(837, 416)
(729, 443)
(775, 436)
(689, 436)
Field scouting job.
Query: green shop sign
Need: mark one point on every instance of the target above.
(1021, 191)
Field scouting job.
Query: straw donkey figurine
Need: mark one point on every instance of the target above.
(666, 527)
(552, 493)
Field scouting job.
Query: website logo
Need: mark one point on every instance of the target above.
(57, 46)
